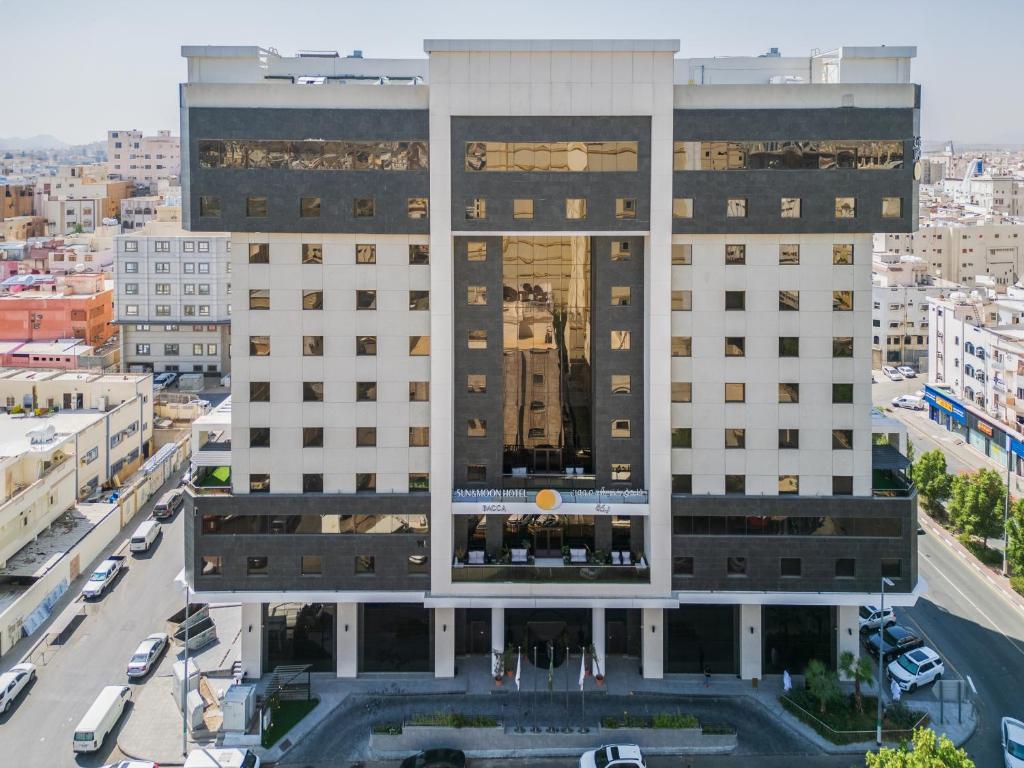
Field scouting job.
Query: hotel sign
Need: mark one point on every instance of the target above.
(481, 501)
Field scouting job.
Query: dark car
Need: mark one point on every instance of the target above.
(898, 640)
(436, 758)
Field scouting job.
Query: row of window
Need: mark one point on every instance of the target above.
(173, 350)
(842, 485)
(213, 525)
(313, 253)
(789, 207)
(310, 565)
(313, 391)
(736, 254)
(789, 301)
(257, 207)
(176, 328)
(736, 392)
(164, 310)
(166, 289)
(164, 267)
(366, 482)
(552, 156)
(314, 154)
(736, 346)
(575, 208)
(787, 525)
(736, 437)
(313, 437)
(366, 300)
(313, 346)
(843, 567)
(786, 155)
(164, 246)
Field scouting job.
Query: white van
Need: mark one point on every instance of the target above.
(144, 536)
(101, 717)
(222, 758)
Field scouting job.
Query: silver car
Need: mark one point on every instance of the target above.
(147, 655)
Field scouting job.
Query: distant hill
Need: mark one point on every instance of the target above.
(41, 141)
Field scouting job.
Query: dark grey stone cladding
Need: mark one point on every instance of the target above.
(817, 189)
(283, 551)
(605, 318)
(283, 188)
(549, 190)
(818, 553)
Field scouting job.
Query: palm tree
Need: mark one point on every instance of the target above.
(860, 670)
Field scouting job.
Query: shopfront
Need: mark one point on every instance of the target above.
(984, 435)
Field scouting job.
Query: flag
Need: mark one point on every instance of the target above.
(519, 665)
(597, 667)
(583, 668)
(551, 667)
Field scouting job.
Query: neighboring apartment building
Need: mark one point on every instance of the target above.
(73, 307)
(135, 157)
(100, 431)
(901, 286)
(15, 200)
(22, 228)
(592, 362)
(79, 197)
(174, 299)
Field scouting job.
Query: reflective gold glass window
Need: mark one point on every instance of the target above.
(476, 473)
(476, 250)
(842, 301)
(735, 392)
(621, 250)
(522, 209)
(735, 484)
(476, 295)
(575, 208)
(419, 391)
(622, 473)
(786, 155)
(312, 391)
(625, 208)
(735, 346)
(842, 439)
(259, 299)
(366, 346)
(736, 207)
(476, 383)
(312, 437)
(789, 253)
(682, 346)
(682, 301)
(790, 208)
(789, 392)
(314, 154)
(789, 439)
(842, 253)
(621, 384)
(256, 207)
(419, 254)
(553, 156)
(679, 156)
(258, 483)
(476, 427)
(366, 254)
(842, 346)
(477, 339)
(366, 391)
(682, 254)
(419, 346)
(735, 300)
(416, 207)
(259, 391)
(419, 301)
(789, 484)
(682, 208)
(313, 346)
(682, 437)
(366, 482)
(620, 427)
(312, 253)
(259, 253)
(259, 346)
(892, 207)
(476, 208)
(620, 340)
(682, 392)
(364, 208)
(419, 437)
(366, 437)
(735, 438)
(209, 207)
(846, 208)
(312, 299)
(366, 300)
(789, 301)
(735, 254)
(309, 207)
(620, 295)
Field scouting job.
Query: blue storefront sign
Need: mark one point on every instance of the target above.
(946, 402)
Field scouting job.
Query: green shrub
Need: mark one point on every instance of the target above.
(1017, 582)
(674, 720)
(986, 555)
(453, 720)
(626, 721)
(388, 729)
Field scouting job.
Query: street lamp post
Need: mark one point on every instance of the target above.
(1006, 504)
(881, 656)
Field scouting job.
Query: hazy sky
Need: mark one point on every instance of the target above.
(74, 69)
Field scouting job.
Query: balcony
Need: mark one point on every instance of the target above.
(888, 473)
(541, 571)
(213, 454)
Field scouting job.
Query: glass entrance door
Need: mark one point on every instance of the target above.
(547, 542)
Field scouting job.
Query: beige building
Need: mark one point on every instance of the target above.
(22, 228)
(79, 196)
(135, 157)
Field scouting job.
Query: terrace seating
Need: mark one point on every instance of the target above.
(577, 555)
(519, 556)
(476, 557)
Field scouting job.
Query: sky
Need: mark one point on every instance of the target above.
(75, 69)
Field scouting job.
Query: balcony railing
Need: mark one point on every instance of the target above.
(886, 482)
(563, 574)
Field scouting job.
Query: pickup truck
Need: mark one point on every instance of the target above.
(103, 577)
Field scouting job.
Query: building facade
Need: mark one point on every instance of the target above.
(961, 253)
(900, 289)
(77, 306)
(544, 341)
(147, 159)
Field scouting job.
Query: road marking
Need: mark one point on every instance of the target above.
(971, 683)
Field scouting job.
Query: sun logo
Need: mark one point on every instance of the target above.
(548, 500)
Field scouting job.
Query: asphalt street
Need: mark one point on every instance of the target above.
(38, 731)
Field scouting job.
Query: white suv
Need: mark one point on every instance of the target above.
(613, 756)
(916, 668)
(907, 371)
(871, 618)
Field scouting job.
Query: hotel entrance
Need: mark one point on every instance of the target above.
(548, 631)
(300, 633)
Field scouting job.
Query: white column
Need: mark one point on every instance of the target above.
(252, 639)
(497, 633)
(750, 641)
(653, 643)
(444, 642)
(847, 631)
(599, 633)
(348, 639)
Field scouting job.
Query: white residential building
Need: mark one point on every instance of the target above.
(901, 286)
(147, 159)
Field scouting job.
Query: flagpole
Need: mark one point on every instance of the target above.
(583, 693)
(568, 725)
(519, 690)
(551, 686)
(536, 728)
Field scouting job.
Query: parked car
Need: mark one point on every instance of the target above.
(898, 640)
(1013, 743)
(165, 379)
(168, 504)
(103, 577)
(222, 758)
(144, 536)
(912, 402)
(101, 718)
(132, 764)
(892, 373)
(147, 654)
(907, 371)
(13, 682)
(613, 756)
(871, 618)
(436, 758)
(919, 667)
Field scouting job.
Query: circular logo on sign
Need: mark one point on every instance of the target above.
(548, 500)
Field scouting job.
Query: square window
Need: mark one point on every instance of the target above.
(682, 301)
(419, 254)
(789, 439)
(476, 295)
(682, 483)
(682, 437)
(366, 254)
(256, 566)
(789, 484)
(366, 346)
(735, 300)
(312, 483)
(364, 563)
(366, 482)
(892, 567)
(419, 482)
(842, 346)
(736, 207)
(622, 473)
(682, 392)
(419, 346)
(212, 565)
(259, 437)
(366, 300)
(621, 384)
(416, 208)
(736, 566)
(846, 208)
(735, 483)
(312, 253)
(790, 566)
(620, 340)
(209, 207)
(476, 427)
(682, 346)
(789, 392)
(256, 207)
(419, 301)
(259, 346)
(620, 296)
(476, 473)
(842, 253)
(682, 208)
(735, 254)
(366, 391)
(575, 208)
(313, 346)
(892, 207)
(789, 346)
(842, 485)
(682, 566)
(735, 346)
(476, 208)
(366, 437)
(312, 300)
(419, 391)
(621, 250)
(259, 253)
(476, 250)
(259, 391)
(735, 392)
(790, 208)
(312, 437)
(842, 439)
(845, 568)
(259, 483)
(620, 428)
(309, 207)
(789, 254)
(477, 340)
(476, 383)
(682, 255)
(625, 208)
(522, 209)
(364, 208)
(842, 393)
(735, 438)
(311, 565)
(419, 437)
(842, 301)
(259, 299)
(789, 301)
(312, 391)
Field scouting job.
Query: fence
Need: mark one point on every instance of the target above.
(853, 736)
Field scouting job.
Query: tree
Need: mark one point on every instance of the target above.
(928, 751)
(931, 478)
(910, 449)
(976, 504)
(860, 670)
(821, 683)
(1015, 538)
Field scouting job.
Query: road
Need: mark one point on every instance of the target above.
(39, 729)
